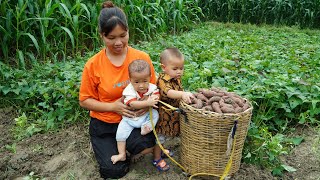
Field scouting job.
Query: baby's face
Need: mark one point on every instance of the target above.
(140, 81)
(174, 67)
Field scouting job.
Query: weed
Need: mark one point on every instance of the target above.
(12, 147)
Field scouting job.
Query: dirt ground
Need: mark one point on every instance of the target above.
(67, 155)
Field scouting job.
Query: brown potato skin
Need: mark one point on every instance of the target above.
(202, 97)
(214, 99)
(219, 101)
(216, 107)
(225, 109)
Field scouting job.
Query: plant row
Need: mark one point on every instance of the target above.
(302, 13)
(54, 30)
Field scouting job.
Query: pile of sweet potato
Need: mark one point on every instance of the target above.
(219, 101)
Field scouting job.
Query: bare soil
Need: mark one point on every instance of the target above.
(67, 154)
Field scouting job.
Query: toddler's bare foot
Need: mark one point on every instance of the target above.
(119, 157)
(145, 129)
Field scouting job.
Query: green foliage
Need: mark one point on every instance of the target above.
(46, 96)
(12, 148)
(304, 13)
(53, 30)
(149, 18)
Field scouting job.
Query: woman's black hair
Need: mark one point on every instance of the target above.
(111, 16)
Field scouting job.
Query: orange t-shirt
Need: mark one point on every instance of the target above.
(103, 81)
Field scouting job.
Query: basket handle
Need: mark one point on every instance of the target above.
(176, 110)
(182, 112)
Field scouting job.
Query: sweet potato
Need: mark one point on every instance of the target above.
(238, 101)
(198, 105)
(214, 99)
(207, 108)
(238, 109)
(194, 100)
(214, 89)
(218, 94)
(202, 97)
(227, 105)
(227, 100)
(216, 107)
(245, 106)
(221, 102)
(235, 105)
(226, 109)
(205, 92)
(232, 94)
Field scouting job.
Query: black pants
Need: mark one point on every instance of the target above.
(104, 144)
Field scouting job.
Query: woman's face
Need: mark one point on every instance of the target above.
(117, 40)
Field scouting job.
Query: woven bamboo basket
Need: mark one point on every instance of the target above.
(204, 139)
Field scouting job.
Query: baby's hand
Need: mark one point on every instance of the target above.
(155, 96)
(152, 101)
(187, 96)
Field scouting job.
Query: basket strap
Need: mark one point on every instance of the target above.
(231, 141)
(160, 145)
(175, 109)
(231, 137)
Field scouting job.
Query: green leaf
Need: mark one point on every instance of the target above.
(66, 10)
(5, 90)
(296, 140)
(22, 63)
(16, 91)
(314, 103)
(34, 40)
(70, 35)
(277, 171)
(294, 101)
(288, 168)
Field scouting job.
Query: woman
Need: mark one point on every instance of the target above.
(104, 77)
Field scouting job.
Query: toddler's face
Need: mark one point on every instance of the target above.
(174, 67)
(140, 81)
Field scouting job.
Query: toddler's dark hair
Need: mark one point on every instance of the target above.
(139, 66)
(169, 52)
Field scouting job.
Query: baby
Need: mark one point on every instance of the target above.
(139, 94)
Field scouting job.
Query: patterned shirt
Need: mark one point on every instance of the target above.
(168, 123)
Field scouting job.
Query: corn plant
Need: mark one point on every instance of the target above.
(304, 13)
(54, 30)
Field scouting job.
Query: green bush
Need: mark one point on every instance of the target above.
(46, 97)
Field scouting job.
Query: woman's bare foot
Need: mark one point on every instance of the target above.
(119, 157)
(145, 129)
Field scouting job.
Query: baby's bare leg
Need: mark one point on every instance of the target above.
(122, 152)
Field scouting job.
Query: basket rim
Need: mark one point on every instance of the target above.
(215, 113)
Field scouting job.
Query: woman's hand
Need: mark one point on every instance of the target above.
(123, 109)
(140, 112)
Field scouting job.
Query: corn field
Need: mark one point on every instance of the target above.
(57, 30)
(302, 13)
